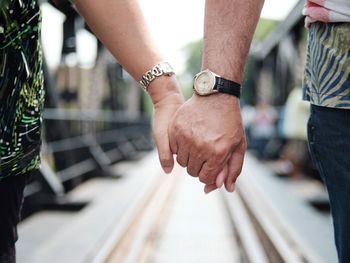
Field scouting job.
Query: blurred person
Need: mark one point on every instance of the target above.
(248, 115)
(327, 87)
(121, 27)
(295, 152)
(263, 128)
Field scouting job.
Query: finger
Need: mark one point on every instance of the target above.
(209, 172)
(214, 165)
(194, 164)
(219, 181)
(212, 169)
(172, 140)
(182, 156)
(165, 155)
(210, 188)
(235, 164)
(222, 176)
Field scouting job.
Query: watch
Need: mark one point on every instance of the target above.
(163, 68)
(207, 82)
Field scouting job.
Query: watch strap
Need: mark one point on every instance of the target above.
(227, 86)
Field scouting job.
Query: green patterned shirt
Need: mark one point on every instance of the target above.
(21, 87)
(327, 70)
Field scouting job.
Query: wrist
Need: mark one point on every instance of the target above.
(160, 69)
(165, 87)
(225, 69)
(218, 100)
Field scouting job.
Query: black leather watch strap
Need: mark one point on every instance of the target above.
(228, 86)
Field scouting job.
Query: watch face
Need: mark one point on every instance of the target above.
(204, 82)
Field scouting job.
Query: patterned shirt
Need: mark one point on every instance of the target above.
(327, 70)
(326, 11)
(21, 87)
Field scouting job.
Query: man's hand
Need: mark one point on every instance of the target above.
(165, 106)
(207, 135)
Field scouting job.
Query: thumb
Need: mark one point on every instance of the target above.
(165, 155)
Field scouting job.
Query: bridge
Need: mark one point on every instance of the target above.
(101, 195)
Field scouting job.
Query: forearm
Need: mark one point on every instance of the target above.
(228, 30)
(120, 25)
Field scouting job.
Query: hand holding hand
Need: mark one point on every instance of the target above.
(207, 135)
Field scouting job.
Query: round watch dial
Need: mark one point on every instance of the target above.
(204, 83)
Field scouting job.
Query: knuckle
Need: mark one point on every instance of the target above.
(199, 144)
(176, 125)
(220, 152)
(187, 134)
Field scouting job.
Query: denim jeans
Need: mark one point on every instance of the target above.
(329, 144)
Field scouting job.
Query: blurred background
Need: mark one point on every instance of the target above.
(101, 196)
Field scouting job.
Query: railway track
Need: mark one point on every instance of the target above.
(260, 235)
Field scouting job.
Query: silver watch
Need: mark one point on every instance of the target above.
(163, 68)
(204, 82)
(207, 82)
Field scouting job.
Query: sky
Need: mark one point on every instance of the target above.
(172, 24)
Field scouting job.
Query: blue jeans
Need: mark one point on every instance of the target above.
(329, 143)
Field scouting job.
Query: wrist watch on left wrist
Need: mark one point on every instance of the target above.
(207, 82)
(163, 68)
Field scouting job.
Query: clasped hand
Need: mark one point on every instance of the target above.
(206, 135)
